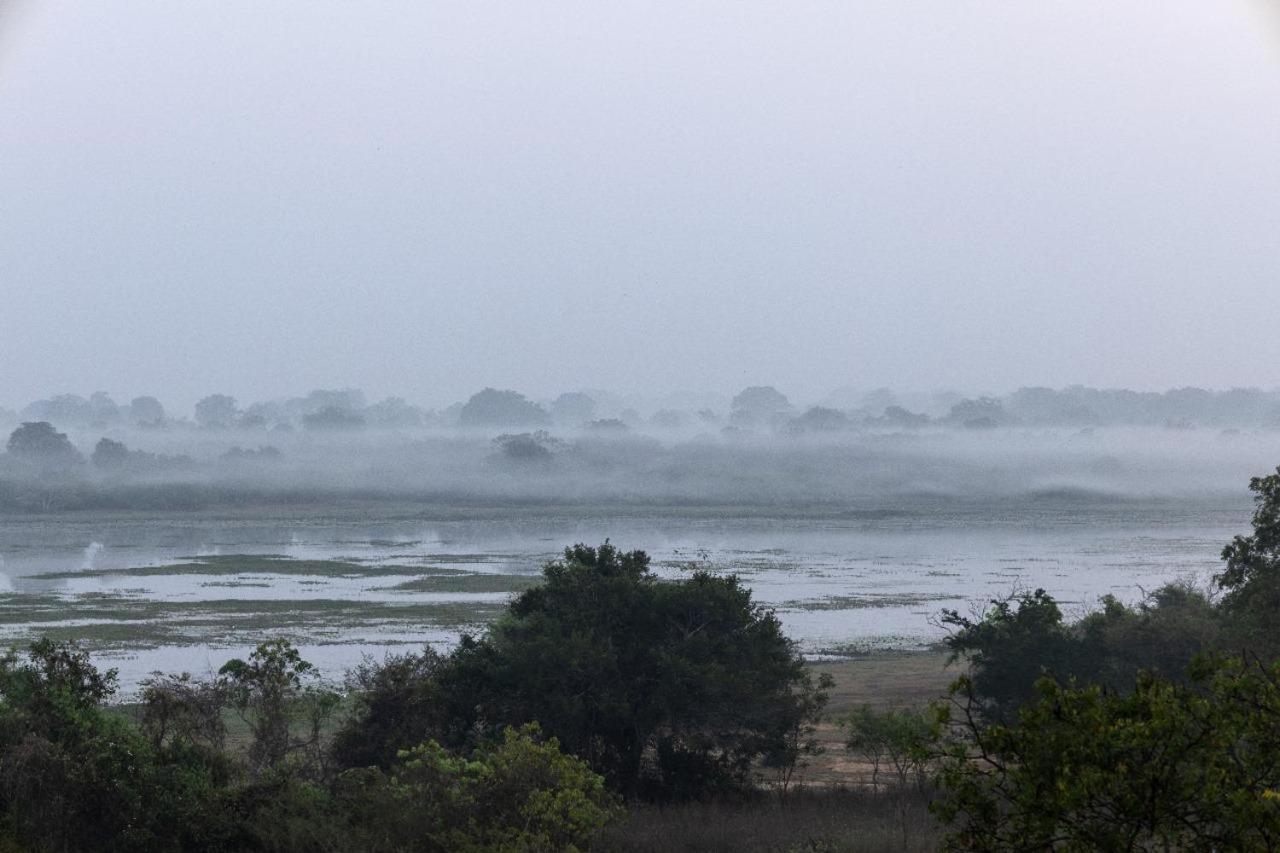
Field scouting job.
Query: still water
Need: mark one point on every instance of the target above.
(186, 592)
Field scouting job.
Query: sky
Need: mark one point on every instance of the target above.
(431, 197)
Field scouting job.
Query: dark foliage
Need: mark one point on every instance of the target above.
(397, 702)
(1011, 645)
(75, 776)
(669, 688)
(491, 407)
(527, 448)
(1160, 766)
(110, 455)
(40, 444)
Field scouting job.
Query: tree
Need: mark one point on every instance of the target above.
(348, 399)
(103, 410)
(394, 412)
(276, 693)
(491, 407)
(395, 703)
(889, 740)
(896, 741)
(217, 411)
(146, 412)
(74, 777)
(40, 443)
(1009, 646)
(821, 419)
(574, 408)
(1251, 579)
(517, 792)
(1162, 634)
(62, 409)
(758, 404)
(527, 448)
(877, 400)
(1159, 767)
(982, 413)
(896, 416)
(668, 688)
(181, 710)
(110, 455)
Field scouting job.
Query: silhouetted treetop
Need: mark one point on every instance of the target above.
(217, 411)
(491, 407)
(39, 442)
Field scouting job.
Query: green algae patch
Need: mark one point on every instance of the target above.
(467, 583)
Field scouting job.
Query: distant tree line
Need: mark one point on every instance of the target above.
(755, 408)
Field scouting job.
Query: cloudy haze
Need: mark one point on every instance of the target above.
(427, 198)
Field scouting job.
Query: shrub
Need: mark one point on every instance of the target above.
(518, 793)
(1012, 644)
(890, 741)
(1161, 766)
(395, 703)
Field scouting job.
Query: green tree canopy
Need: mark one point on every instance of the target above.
(667, 688)
(1251, 577)
(1162, 766)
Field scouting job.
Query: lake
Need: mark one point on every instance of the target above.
(187, 591)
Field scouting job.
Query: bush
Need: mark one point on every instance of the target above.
(891, 742)
(1012, 644)
(73, 777)
(396, 702)
(491, 407)
(527, 448)
(1162, 634)
(39, 444)
(519, 793)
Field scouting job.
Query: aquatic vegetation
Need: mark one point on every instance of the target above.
(857, 602)
(459, 582)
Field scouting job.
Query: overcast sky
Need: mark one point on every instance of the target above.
(426, 198)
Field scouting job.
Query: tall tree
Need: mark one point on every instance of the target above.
(667, 688)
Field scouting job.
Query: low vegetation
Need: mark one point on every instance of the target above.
(601, 686)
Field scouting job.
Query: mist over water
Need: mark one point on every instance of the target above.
(355, 528)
